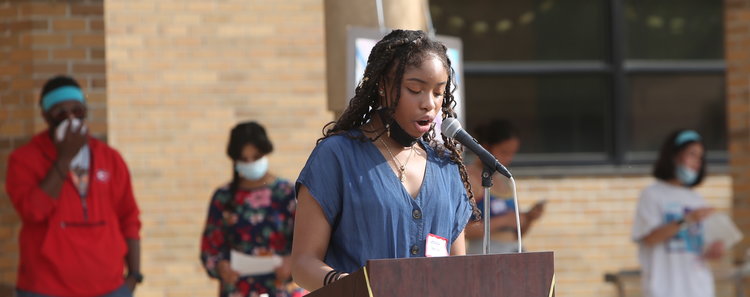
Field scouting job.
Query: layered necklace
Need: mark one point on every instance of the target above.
(401, 167)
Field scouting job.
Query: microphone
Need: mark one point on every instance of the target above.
(452, 128)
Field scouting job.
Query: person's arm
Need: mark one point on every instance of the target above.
(130, 223)
(475, 230)
(55, 178)
(284, 271)
(669, 230)
(311, 236)
(528, 218)
(458, 247)
(35, 200)
(715, 251)
(526, 223)
(214, 248)
(133, 259)
(661, 233)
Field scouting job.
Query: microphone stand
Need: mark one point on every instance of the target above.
(518, 216)
(487, 173)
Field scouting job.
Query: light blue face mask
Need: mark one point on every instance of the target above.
(686, 175)
(252, 170)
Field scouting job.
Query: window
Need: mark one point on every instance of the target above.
(663, 102)
(592, 82)
(559, 116)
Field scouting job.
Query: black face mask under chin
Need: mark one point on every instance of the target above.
(395, 131)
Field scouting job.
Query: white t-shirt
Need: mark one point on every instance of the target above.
(673, 268)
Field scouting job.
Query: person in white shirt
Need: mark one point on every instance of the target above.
(668, 223)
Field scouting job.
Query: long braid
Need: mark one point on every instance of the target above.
(456, 154)
(231, 206)
(396, 51)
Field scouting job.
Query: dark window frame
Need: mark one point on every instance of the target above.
(618, 68)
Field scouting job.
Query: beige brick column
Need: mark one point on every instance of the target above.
(180, 74)
(340, 14)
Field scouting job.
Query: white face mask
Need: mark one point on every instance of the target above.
(686, 175)
(252, 170)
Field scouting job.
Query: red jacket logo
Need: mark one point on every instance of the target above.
(102, 175)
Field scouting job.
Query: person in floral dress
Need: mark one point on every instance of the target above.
(253, 215)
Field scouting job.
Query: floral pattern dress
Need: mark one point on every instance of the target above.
(256, 222)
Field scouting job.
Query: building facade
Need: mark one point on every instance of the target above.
(166, 80)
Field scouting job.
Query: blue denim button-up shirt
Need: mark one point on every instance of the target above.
(371, 213)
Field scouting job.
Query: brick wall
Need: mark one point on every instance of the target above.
(737, 42)
(39, 39)
(181, 73)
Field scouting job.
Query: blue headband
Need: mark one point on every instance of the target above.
(61, 94)
(686, 136)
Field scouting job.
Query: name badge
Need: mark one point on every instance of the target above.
(436, 246)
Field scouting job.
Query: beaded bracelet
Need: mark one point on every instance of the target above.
(328, 277)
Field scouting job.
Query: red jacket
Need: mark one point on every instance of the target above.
(63, 253)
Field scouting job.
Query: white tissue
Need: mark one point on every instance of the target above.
(75, 122)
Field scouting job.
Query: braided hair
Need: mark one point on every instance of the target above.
(392, 54)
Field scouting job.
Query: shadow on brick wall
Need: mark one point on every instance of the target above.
(6, 290)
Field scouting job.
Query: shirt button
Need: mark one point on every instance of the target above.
(414, 250)
(417, 214)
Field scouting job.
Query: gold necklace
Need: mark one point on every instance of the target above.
(400, 167)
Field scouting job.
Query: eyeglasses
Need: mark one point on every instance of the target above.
(60, 114)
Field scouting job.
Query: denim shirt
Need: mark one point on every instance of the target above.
(371, 214)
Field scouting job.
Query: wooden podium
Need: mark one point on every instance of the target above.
(506, 275)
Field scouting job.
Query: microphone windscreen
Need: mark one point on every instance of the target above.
(450, 127)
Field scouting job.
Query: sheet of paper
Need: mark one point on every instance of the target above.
(719, 226)
(245, 264)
